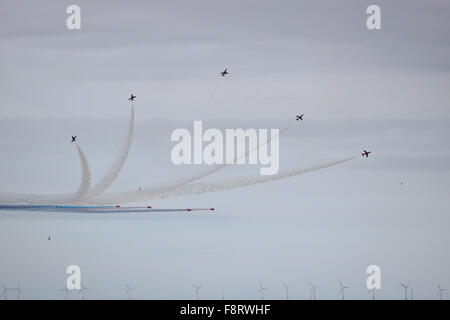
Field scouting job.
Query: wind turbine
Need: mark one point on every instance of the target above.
(406, 289)
(342, 290)
(82, 290)
(223, 294)
(372, 291)
(441, 291)
(261, 289)
(66, 291)
(5, 291)
(19, 292)
(197, 289)
(129, 289)
(313, 290)
(286, 287)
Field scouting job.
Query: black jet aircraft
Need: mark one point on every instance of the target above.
(366, 153)
(132, 98)
(74, 138)
(224, 73)
(299, 117)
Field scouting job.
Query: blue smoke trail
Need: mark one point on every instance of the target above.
(91, 209)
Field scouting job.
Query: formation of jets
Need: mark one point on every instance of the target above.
(223, 73)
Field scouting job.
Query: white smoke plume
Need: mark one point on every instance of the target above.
(112, 174)
(205, 187)
(84, 191)
(85, 177)
(222, 166)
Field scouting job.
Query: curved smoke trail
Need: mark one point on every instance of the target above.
(55, 198)
(117, 166)
(222, 166)
(205, 187)
(85, 176)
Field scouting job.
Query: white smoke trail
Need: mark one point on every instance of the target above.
(117, 166)
(205, 187)
(222, 166)
(85, 183)
(83, 191)
(85, 177)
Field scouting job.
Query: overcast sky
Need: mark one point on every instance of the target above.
(384, 90)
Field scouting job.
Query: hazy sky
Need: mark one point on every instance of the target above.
(384, 90)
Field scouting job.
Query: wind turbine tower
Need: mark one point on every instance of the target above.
(286, 287)
(441, 291)
(5, 291)
(197, 289)
(406, 287)
(261, 290)
(342, 290)
(313, 291)
(372, 291)
(19, 292)
(129, 290)
(83, 290)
